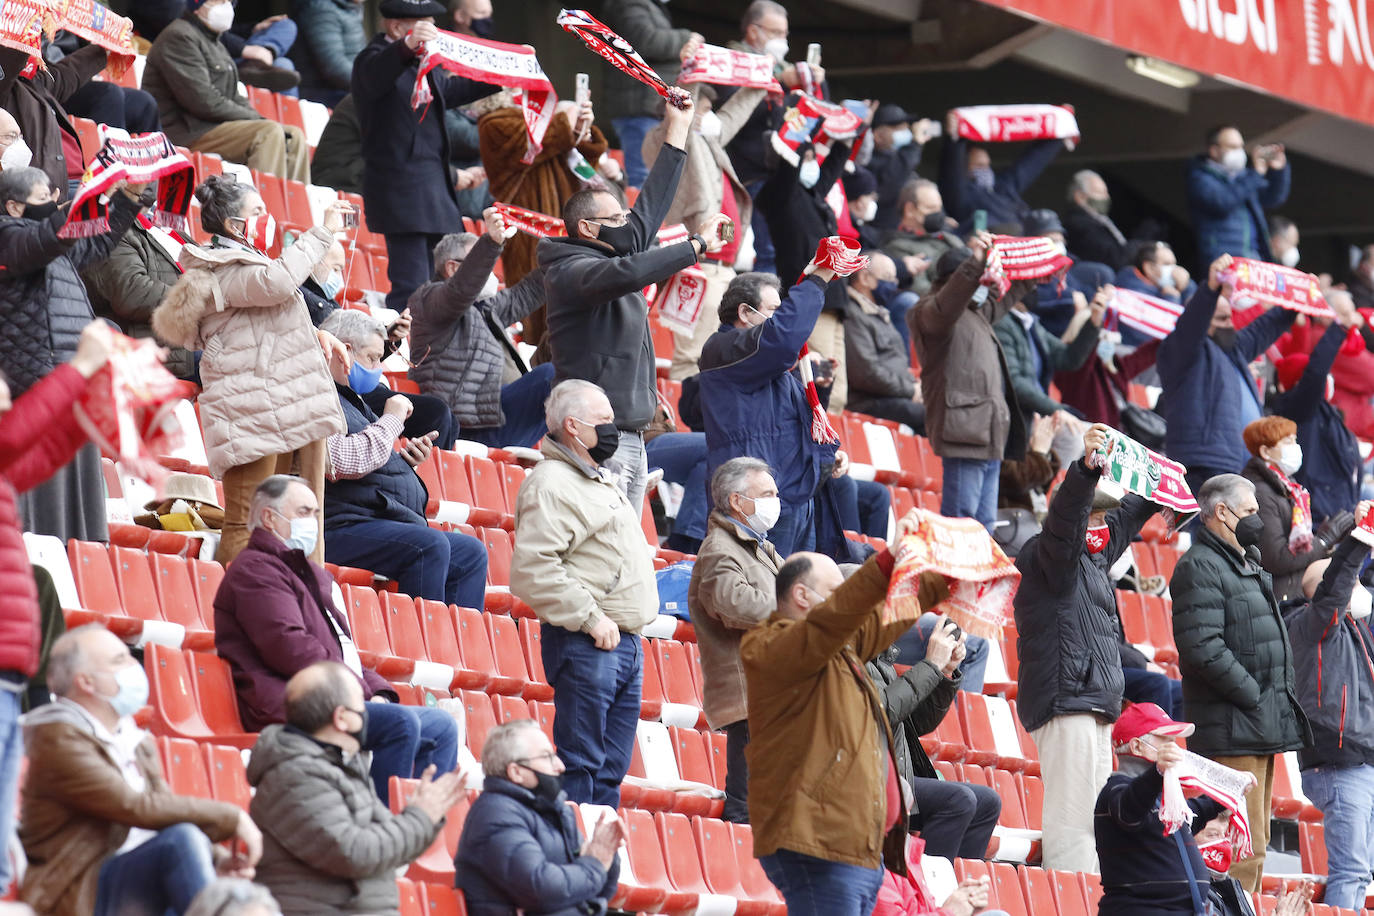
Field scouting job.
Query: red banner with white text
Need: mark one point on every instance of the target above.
(1318, 53)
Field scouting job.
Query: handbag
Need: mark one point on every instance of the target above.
(1140, 423)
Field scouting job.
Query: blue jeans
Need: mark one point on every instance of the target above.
(863, 505)
(1345, 796)
(632, 132)
(277, 38)
(897, 309)
(426, 563)
(163, 874)
(912, 648)
(819, 887)
(522, 403)
(970, 489)
(682, 456)
(795, 530)
(11, 752)
(955, 818)
(596, 710)
(1152, 687)
(765, 256)
(406, 739)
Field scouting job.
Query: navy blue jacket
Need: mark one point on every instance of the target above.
(521, 851)
(754, 406)
(393, 492)
(1204, 384)
(1330, 455)
(1003, 201)
(1227, 212)
(1130, 278)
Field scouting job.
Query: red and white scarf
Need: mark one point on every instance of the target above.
(531, 222)
(1150, 315)
(820, 123)
(615, 50)
(22, 23)
(679, 298)
(842, 256)
(1012, 123)
(1221, 783)
(728, 67)
(1274, 284)
(1011, 259)
(138, 158)
(493, 62)
(982, 580)
(1300, 534)
(96, 24)
(1129, 467)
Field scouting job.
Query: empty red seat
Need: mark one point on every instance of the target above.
(499, 554)
(172, 696)
(508, 709)
(1039, 890)
(476, 645)
(96, 589)
(481, 718)
(443, 646)
(228, 778)
(720, 868)
(488, 490)
(177, 598)
(753, 881)
(409, 896)
(679, 686)
(369, 634)
(441, 900)
(183, 765)
(214, 686)
(1006, 884)
(1073, 896)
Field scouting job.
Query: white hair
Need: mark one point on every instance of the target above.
(568, 399)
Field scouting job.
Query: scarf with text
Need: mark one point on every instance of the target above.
(137, 158)
(1218, 782)
(1129, 467)
(497, 63)
(1274, 284)
(531, 222)
(22, 23)
(89, 20)
(1012, 123)
(1035, 258)
(820, 123)
(728, 67)
(842, 256)
(679, 298)
(617, 52)
(982, 579)
(1150, 315)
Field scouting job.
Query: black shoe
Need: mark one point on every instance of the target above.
(273, 79)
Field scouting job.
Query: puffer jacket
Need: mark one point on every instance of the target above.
(1233, 650)
(1066, 619)
(732, 590)
(1331, 657)
(34, 443)
(329, 846)
(331, 35)
(1276, 509)
(43, 303)
(467, 351)
(267, 388)
(194, 80)
(520, 853)
(598, 317)
(916, 701)
(392, 492)
(647, 26)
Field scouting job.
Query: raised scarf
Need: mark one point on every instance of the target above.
(1150, 315)
(818, 122)
(1273, 284)
(1013, 123)
(728, 67)
(1218, 782)
(138, 158)
(531, 222)
(1011, 258)
(616, 51)
(842, 256)
(1129, 467)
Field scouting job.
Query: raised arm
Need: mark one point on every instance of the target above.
(275, 283)
(779, 339)
(1030, 164)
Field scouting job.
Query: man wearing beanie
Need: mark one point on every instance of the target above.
(408, 189)
(861, 191)
(195, 82)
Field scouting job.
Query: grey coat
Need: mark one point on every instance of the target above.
(328, 845)
(645, 25)
(460, 345)
(875, 355)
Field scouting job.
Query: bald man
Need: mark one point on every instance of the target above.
(102, 831)
(823, 798)
(14, 152)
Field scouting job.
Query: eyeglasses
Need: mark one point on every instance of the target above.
(548, 757)
(615, 219)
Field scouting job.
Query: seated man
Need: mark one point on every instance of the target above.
(38, 104)
(274, 615)
(521, 849)
(878, 359)
(102, 831)
(195, 82)
(459, 323)
(733, 589)
(332, 846)
(374, 502)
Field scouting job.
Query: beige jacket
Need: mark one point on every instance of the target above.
(732, 590)
(580, 554)
(267, 387)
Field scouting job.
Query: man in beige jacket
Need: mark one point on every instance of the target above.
(733, 589)
(581, 562)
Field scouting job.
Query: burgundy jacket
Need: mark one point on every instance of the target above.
(270, 623)
(1089, 388)
(37, 437)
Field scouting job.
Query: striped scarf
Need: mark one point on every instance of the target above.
(138, 158)
(1300, 534)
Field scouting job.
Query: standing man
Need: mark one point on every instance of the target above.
(408, 186)
(1227, 198)
(1233, 650)
(1089, 232)
(593, 280)
(824, 799)
(898, 139)
(732, 590)
(1070, 647)
(582, 564)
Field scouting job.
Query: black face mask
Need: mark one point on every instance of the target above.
(548, 787)
(481, 27)
(934, 222)
(40, 212)
(1224, 338)
(607, 442)
(620, 238)
(361, 734)
(1248, 531)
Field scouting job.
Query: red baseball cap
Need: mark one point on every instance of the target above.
(1146, 719)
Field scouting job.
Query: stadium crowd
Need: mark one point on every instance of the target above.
(328, 414)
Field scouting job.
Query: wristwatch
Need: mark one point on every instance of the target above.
(695, 237)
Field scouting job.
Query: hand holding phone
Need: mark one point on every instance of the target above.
(584, 89)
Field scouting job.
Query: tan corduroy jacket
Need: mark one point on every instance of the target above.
(78, 808)
(818, 736)
(732, 590)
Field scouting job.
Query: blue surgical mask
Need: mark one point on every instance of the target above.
(983, 177)
(901, 138)
(331, 284)
(132, 694)
(809, 173)
(363, 380)
(1106, 347)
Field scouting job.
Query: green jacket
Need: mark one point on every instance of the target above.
(195, 82)
(902, 244)
(338, 160)
(1056, 357)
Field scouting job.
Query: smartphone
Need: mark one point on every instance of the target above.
(936, 128)
(726, 232)
(980, 221)
(813, 55)
(584, 88)
(953, 627)
(350, 219)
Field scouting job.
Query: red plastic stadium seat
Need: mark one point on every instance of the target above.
(369, 633)
(177, 597)
(508, 709)
(489, 492)
(644, 849)
(442, 900)
(1039, 891)
(409, 896)
(1006, 884)
(720, 868)
(443, 646)
(511, 657)
(214, 685)
(228, 779)
(752, 878)
(173, 699)
(481, 718)
(476, 645)
(183, 765)
(1073, 896)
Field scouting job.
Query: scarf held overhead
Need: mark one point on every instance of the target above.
(1274, 284)
(812, 120)
(1150, 315)
(139, 159)
(1220, 783)
(728, 67)
(539, 225)
(982, 579)
(616, 51)
(1012, 123)
(1129, 467)
(1011, 259)
(22, 23)
(89, 20)
(493, 62)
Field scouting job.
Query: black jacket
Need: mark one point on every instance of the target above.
(521, 851)
(407, 182)
(1238, 682)
(393, 492)
(1331, 657)
(598, 317)
(915, 702)
(1089, 239)
(338, 161)
(1276, 509)
(1142, 869)
(36, 104)
(893, 169)
(43, 303)
(798, 218)
(1069, 636)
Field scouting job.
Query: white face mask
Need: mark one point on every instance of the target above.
(1360, 603)
(1290, 458)
(868, 211)
(132, 693)
(708, 125)
(809, 173)
(1290, 258)
(777, 47)
(219, 18)
(489, 288)
(767, 510)
(16, 156)
(1233, 161)
(901, 137)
